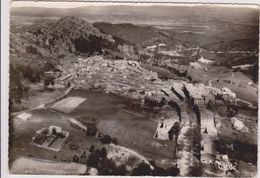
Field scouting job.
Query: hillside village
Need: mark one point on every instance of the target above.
(106, 103)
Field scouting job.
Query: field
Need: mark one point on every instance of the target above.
(46, 167)
(239, 84)
(67, 105)
(22, 133)
(132, 126)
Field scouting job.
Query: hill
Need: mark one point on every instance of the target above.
(37, 48)
(135, 34)
(70, 34)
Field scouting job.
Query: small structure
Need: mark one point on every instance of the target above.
(203, 60)
(63, 79)
(227, 91)
(49, 74)
(244, 103)
(225, 94)
(207, 158)
(223, 163)
(163, 128)
(24, 116)
(51, 138)
(152, 47)
(238, 125)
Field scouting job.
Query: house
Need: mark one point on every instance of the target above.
(49, 74)
(163, 128)
(227, 91)
(244, 103)
(56, 128)
(152, 47)
(207, 158)
(63, 79)
(238, 125)
(51, 138)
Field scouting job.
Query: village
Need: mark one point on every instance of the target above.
(181, 108)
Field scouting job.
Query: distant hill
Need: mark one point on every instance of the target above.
(235, 45)
(135, 34)
(186, 25)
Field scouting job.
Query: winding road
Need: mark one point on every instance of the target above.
(210, 81)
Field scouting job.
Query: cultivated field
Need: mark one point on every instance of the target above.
(67, 105)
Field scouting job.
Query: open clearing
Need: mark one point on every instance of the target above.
(117, 117)
(114, 115)
(22, 133)
(67, 105)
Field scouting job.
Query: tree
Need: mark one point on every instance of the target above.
(158, 171)
(162, 102)
(75, 159)
(177, 108)
(142, 170)
(105, 139)
(196, 170)
(46, 82)
(114, 140)
(174, 131)
(103, 153)
(189, 78)
(91, 130)
(197, 113)
(121, 170)
(93, 159)
(173, 171)
(107, 167)
(91, 148)
(186, 92)
(177, 94)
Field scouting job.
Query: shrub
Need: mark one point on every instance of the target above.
(31, 49)
(92, 148)
(93, 159)
(142, 170)
(196, 170)
(105, 139)
(103, 153)
(91, 130)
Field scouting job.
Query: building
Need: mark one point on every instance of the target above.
(207, 158)
(63, 80)
(163, 128)
(244, 103)
(52, 138)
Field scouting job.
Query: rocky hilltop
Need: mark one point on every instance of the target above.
(70, 34)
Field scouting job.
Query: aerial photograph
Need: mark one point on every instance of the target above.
(133, 89)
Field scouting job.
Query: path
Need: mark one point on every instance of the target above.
(210, 81)
(184, 155)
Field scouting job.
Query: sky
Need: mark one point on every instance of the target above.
(64, 5)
